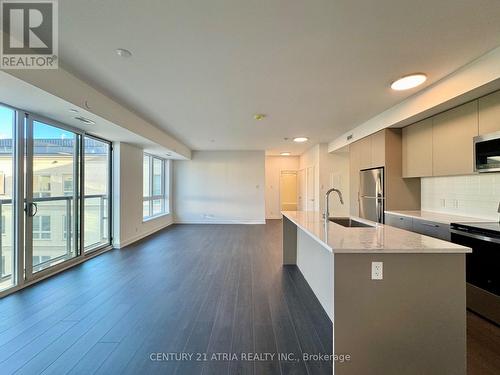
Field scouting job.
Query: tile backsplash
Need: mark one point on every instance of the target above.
(474, 195)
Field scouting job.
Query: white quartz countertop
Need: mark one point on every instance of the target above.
(377, 239)
(436, 217)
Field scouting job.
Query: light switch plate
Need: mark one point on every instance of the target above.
(377, 270)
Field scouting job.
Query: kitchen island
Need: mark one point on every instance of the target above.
(396, 298)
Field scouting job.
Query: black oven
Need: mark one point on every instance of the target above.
(482, 266)
(487, 153)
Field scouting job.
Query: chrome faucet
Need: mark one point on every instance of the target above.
(326, 214)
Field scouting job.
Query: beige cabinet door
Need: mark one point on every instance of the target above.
(378, 149)
(365, 152)
(417, 149)
(453, 131)
(489, 113)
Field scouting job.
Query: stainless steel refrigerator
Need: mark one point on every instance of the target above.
(371, 194)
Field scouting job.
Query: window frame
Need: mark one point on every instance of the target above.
(38, 234)
(67, 178)
(165, 187)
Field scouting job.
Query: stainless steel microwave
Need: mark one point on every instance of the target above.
(487, 153)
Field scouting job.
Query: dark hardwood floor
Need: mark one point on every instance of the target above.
(207, 289)
(483, 346)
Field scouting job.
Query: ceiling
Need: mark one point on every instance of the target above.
(201, 69)
(26, 97)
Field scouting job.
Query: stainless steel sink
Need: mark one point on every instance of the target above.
(348, 222)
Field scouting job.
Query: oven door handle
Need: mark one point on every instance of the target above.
(476, 236)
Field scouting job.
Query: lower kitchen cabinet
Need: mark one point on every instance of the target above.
(431, 229)
(402, 222)
(425, 227)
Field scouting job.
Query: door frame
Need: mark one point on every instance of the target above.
(76, 239)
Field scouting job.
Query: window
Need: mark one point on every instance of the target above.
(155, 186)
(67, 184)
(41, 188)
(41, 227)
(38, 259)
(2, 183)
(97, 193)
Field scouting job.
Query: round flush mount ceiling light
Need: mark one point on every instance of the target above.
(300, 139)
(409, 81)
(285, 154)
(259, 116)
(122, 52)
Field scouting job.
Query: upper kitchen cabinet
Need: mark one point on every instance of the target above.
(369, 152)
(417, 149)
(364, 149)
(452, 134)
(489, 113)
(378, 149)
(383, 149)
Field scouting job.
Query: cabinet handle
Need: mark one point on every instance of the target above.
(431, 225)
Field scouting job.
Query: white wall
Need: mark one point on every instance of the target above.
(128, 225)
(220, 187)
(274, 166)
(474, 195)
(311, 159)
(330, 170)
(336, 174)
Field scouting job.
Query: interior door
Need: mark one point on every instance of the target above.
(301, 194)
(51, 196)
(288, 191)
(310, 189)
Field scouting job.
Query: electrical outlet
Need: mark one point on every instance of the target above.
(377, 270)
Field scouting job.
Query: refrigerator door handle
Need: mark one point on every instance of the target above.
(377, 209)
(380, 210)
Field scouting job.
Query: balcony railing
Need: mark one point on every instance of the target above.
(92, 242)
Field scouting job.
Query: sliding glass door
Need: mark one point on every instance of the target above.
(52, 195)
(55, 196)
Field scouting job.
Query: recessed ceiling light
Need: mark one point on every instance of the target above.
(259, 116)
(122, 52)
(408, 82)
(285, 154)
(85, 120)
(300, 139)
